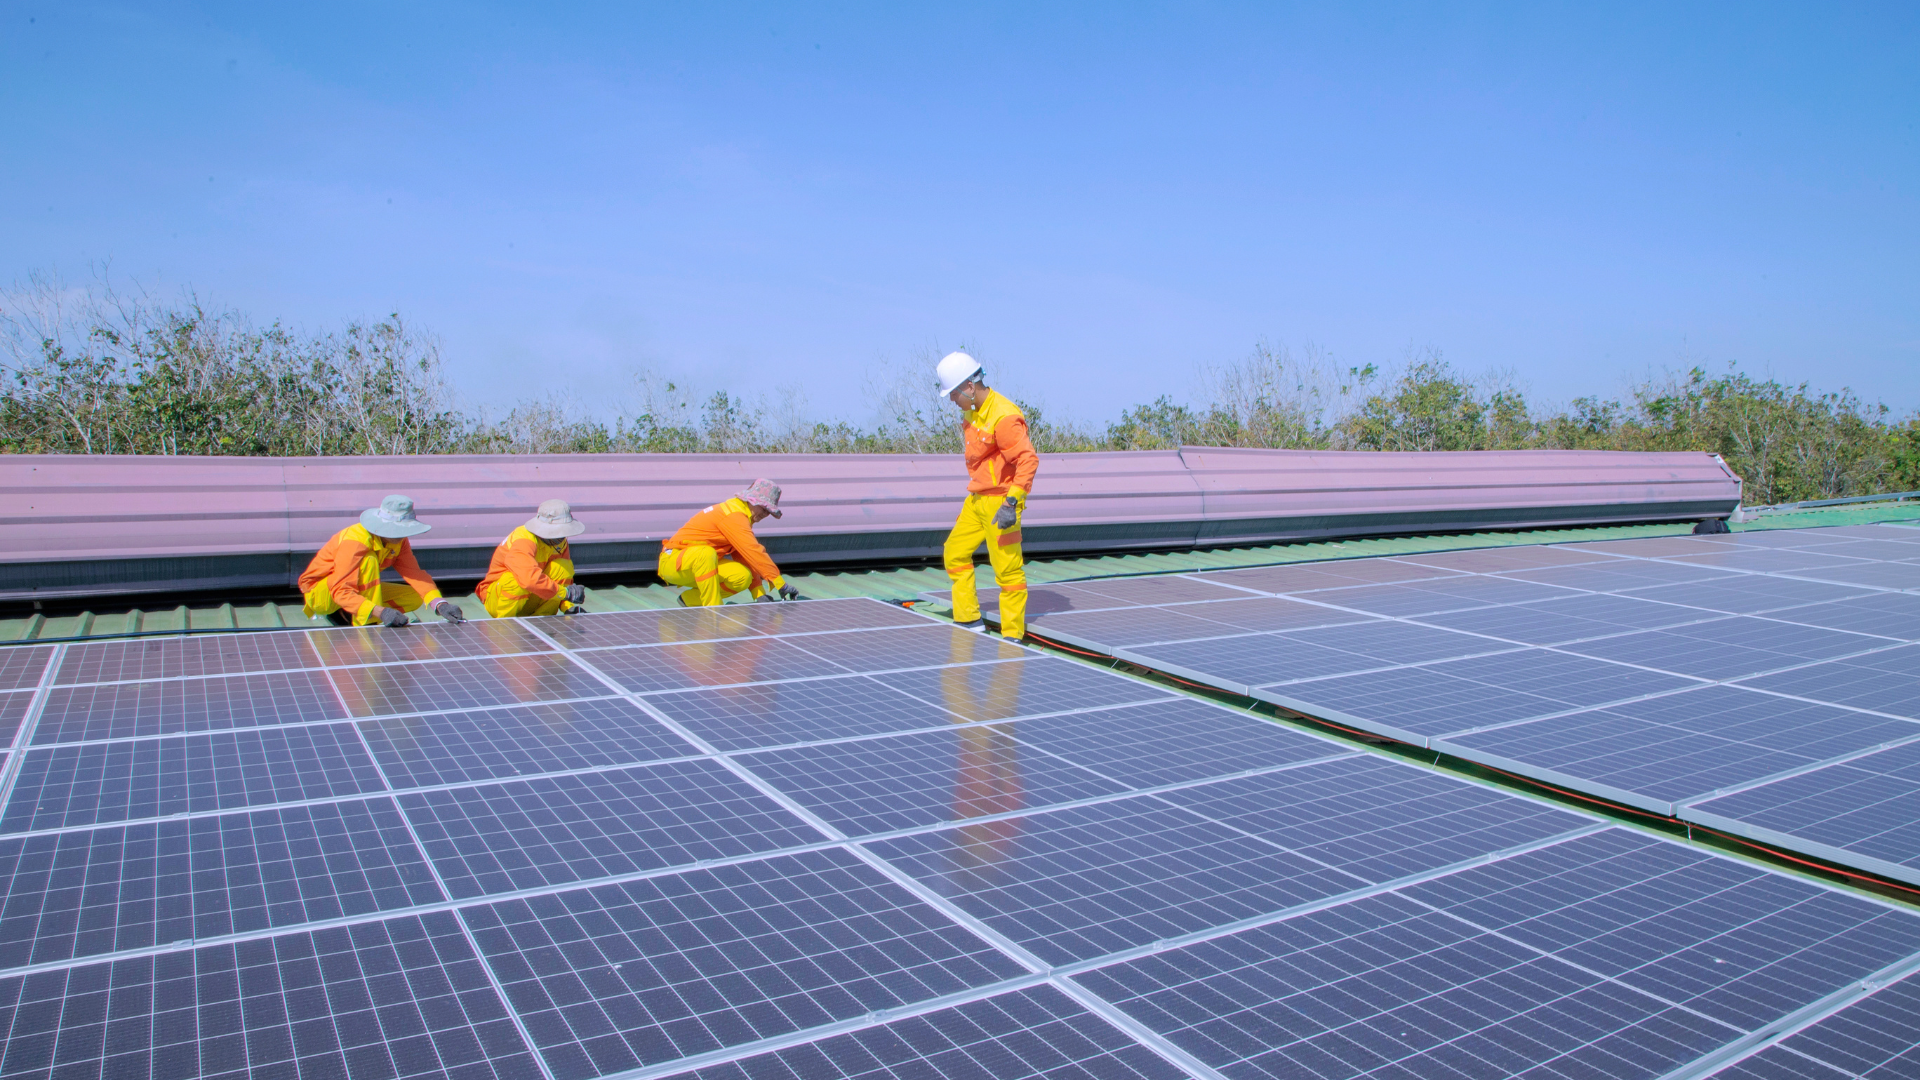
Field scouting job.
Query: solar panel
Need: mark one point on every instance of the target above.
(1729, 648)
(1877, 1037)
(1741, 598)
(1893, 615)
(860, 843)
(21, 668)
(1659, 753)
(1886, 682)
(166, 658)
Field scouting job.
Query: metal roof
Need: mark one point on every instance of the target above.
(635, 592)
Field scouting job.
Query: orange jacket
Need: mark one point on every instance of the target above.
(351, 562)
(727, 528)
(1000, 459)
(520, 555)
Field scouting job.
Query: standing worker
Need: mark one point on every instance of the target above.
(532, 569)
(1000, 468)
(343, 580)
(716, 555)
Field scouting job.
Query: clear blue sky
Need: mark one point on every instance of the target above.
(750, 196)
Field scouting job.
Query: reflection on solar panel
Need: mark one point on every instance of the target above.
(835, 839)
(1732, 680)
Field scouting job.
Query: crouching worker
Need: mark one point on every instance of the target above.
(343, 580)
(715, 554)
(532, 569)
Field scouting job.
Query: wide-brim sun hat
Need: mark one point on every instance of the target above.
(764, 494)
(554, 520)
(393, 519)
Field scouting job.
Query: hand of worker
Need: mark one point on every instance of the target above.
(387, 616)
(1008, 514)
(788, 592)
(764, 598)
(449, 611)
(576, 593)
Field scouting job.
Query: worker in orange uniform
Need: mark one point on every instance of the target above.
(343, 580)
(532, 569)
(1000, 468)
(715, 554)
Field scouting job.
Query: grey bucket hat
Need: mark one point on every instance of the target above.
(393, 519)
(554, 520)
(764, 494)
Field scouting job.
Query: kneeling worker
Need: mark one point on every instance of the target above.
(532, 569)
(1001, 464)
(716, 555)
(343, 580)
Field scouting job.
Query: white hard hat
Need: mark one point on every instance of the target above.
(954, 369)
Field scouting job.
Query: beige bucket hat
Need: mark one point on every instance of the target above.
(554, 520)
(393, 519)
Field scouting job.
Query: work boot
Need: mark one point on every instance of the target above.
(978, 626)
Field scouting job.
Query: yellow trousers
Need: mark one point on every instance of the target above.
(974, 527)
(319, 600)
(506, 598)
(708, 577)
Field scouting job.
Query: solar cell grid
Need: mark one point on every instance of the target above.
(464, 684)
(1377, 819)
(930, 778)
(1079, 883)
(1863, 812)
(167, 658)
(88, 892)
(615, 628)
(1103, 630)
(615, 977)
(1396, 601)
(1649, 547)
(401, 998)
(1268, 613)
(780, 713)
(1494, 560)
(1397, 643)
(1173, 589)
(1768, 560)
(1883, 575)
(1730, 648)
(1008, 690)
(13, 711)
(1664, 751)
(21, 666)
(1557, 676)
(1620, 574)
(1876, 1038)
(1557, 622)
(647, 668)
(132, 710)
(815, 616)
(1748, 595)
(1850, 683)
(67, 786)
(557, 830)
(1411, 704)
(1731, 941)
(1230, 662)
(1881, 550)
(1893, 615)
(453, 748)
(1334, 574)
(1385, 987)
(425, 641)
(1171, 742)
(1036, 1034)
(913, 646)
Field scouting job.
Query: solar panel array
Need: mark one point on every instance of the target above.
(1762, 683)
(834, 839)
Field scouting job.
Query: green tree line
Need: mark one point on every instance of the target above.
(91, 371)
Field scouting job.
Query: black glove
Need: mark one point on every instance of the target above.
(788, 592)
(1008, 514)
(764, 598)
(387, 616)
(576, 593)
(449, 611)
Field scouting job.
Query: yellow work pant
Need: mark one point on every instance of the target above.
(708, 576)
(319, 600)
(506, 598)
(974, 526)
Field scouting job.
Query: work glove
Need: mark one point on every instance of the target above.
(576, 593)
(763, 598)
(788, 592)
(449, 611)
(387, 616)
(1008, 514)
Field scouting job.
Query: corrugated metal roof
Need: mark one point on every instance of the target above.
(903, 583)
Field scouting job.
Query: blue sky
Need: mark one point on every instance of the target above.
(1101, 197)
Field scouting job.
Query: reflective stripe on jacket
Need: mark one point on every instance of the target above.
(350, 564)
(525, 556)
(1000, 458)
(727, 528)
